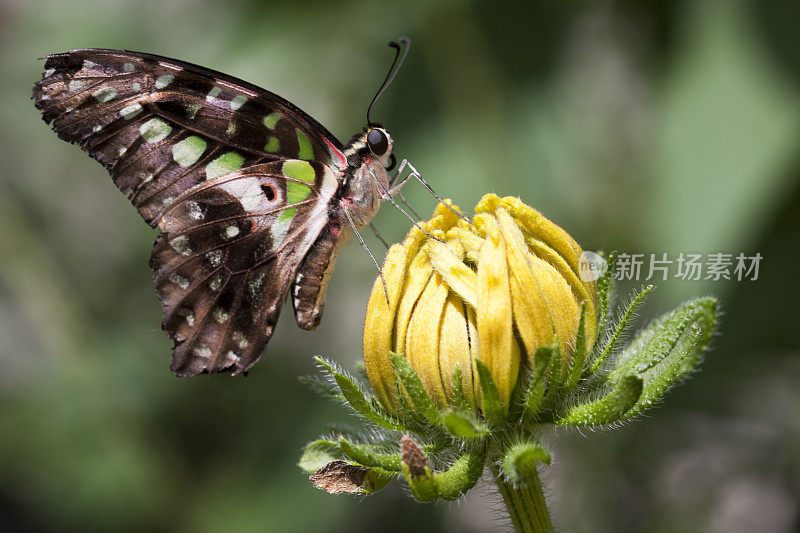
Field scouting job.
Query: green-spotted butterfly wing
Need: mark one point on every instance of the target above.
(237, 180)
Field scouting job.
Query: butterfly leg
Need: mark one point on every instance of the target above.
(415, 174)
(364, 245)
(385, 194)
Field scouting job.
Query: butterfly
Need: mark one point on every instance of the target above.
(252, 197)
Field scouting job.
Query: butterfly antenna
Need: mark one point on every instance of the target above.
(364, 245)
(378, 235)
(392, 72)
(400, 208)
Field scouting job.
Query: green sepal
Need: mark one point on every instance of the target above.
(423, 487)
(375, 480)
(364, 455)
(579, 356)
(353, 395)
(608, 409)
(458, 388)
(463, 425)
(520, 461)
(605, 290)
(623, 323)
(538, 383)
(667, 350)
(422, 403)
(448, 484)
(318, 453)
(553, 379)
(493, 410)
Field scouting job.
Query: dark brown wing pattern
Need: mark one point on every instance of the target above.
(237, 180)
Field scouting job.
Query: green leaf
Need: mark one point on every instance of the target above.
(416, 391)
(319, 453)
(356, 399)
(667, 350)
(538, 384)
(608, 409)
(462, 425)
(520, 461)
(493, 409)
(623, 323)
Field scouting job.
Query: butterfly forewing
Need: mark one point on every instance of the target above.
(162, 126)
(237, 180)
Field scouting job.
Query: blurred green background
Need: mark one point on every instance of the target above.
(643, 126)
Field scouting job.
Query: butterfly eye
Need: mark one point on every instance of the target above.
(377, 141)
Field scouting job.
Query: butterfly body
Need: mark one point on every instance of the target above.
(253, 198)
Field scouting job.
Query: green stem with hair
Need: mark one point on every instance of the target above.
(525, 503)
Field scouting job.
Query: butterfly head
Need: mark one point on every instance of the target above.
(369, 160)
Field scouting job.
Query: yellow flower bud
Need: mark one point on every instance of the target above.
(495, 289)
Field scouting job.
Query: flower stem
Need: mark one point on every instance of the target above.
(525, 503)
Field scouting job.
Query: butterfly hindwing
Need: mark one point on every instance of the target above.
(227, 255)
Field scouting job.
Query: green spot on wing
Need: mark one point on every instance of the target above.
(155, 130)
(188, 151)
(281, 226)
(273, 144)
(227, 162)
(296, 192)
(287, 214)
(306, 150)
(299, 170)
(272, 119)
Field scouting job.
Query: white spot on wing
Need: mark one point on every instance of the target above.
(214, 257)
(127, 67)
(239, 339)
(181, 245)
(180, 281)
(238, 101)
(230, 231)
(213, 93)
(164, 80)
(220, 315)
(130, 111)
(194, 210)
(187, 314)
(202, 351)
(104, 94)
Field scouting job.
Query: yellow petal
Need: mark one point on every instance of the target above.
(379, 324)
(495, 327)
(454, 348)
(531, 308)
(422, 338)
(454, 272)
